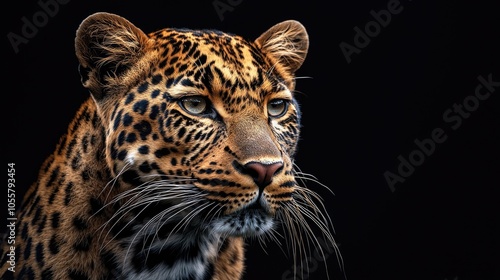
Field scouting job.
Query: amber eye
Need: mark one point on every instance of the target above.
(277, 107)
(195, 105)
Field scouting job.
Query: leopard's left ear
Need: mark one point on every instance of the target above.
(287, 43)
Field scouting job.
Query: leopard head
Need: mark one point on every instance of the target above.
(200, 124)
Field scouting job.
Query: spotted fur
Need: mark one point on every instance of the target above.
(184, 148)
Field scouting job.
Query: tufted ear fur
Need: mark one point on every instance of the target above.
(112, 53)
(287, 43)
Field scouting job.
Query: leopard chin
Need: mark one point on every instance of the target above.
(247, 222)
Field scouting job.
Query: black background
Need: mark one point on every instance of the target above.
(440, 223)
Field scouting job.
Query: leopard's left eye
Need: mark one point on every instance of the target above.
(277, 108)
(195, 105)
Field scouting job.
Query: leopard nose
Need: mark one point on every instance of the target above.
(262, 173)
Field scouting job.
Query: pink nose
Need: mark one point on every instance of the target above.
(263, 173)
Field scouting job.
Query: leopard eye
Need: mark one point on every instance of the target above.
(277, 108)
(195, 105)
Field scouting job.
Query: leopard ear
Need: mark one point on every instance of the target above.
(108, 47)
(287, 43)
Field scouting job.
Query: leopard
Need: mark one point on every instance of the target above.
(184, 149)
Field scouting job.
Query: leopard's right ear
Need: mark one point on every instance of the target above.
(112, 53)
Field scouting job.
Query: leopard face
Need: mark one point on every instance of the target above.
(198, 122)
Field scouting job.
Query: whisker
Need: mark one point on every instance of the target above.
(302, 218)
(155, 222)
(302, 77)
(110, 185)
(308, 177)
(115, 179)
(184, 222)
